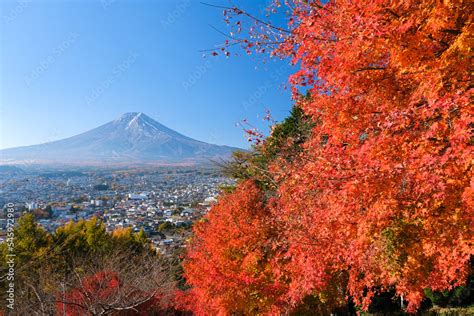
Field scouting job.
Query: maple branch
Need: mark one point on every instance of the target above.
(223, 33)
(240, 11)
(451, 31)
(219, 47)
(235, 40)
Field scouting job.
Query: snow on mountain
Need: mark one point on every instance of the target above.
(131, 138)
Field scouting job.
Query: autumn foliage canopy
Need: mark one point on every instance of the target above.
(381, 195)
(228, 262)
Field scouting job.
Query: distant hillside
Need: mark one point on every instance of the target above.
(10, 169)
(133, 138)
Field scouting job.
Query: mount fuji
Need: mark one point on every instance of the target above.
(133, 138)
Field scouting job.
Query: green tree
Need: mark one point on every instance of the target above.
(284, 142)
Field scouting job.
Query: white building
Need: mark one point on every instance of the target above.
(32, 206)
(134, 196)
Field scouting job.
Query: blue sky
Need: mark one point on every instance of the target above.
(69, 66)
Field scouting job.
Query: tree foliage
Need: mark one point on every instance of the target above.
(382, 188)
(284, 143)
(228, 264)
(82, 269)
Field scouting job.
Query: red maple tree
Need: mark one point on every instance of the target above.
(387, 195)
(383, 189)
(228, 263)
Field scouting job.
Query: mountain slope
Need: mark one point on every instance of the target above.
(132, 138)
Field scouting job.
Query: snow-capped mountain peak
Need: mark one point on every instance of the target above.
(133, 137)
